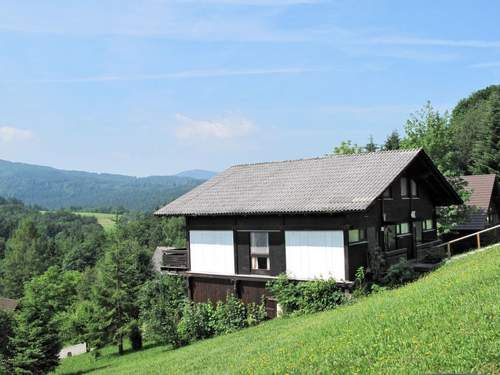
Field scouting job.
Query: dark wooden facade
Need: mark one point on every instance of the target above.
(380, 222)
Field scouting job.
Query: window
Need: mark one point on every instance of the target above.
(414, 188)
(428, 224)
(402, 228)
(357, 235)
(259, 251)
(404, 187)
(387, 193)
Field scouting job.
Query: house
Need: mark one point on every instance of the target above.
(485, 199)
(311, 218)
(484, 203)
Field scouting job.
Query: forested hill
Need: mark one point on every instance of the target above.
(54, 188)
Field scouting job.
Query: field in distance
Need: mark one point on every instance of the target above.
(108, 221)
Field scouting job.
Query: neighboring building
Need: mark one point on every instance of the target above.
(311, 218)
(485, 200)
(7, 304)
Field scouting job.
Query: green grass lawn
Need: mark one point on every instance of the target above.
(447, 322)
(106, 220)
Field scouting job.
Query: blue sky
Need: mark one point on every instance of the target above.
(146, 87)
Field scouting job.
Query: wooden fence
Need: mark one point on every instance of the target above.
(493, 236)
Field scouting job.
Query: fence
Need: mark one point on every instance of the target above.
(474, 240)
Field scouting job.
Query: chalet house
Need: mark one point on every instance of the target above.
(311, 218)
(485, 199)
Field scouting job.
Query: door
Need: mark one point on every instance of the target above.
(390, 237)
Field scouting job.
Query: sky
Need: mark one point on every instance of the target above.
(154, 87)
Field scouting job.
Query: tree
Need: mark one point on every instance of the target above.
(36, 339)
(125, 267)
(393, 141)
(347, 148)
(161, 302)
(450, 216)
(6, 333)
(27, 255)
(371, 146)
(470, 120)
(430, 130)
(486, 153)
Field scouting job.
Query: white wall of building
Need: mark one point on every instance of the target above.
(211, 251)
(315, 254)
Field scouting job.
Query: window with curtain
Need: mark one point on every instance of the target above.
(259, 251)
(404, 187)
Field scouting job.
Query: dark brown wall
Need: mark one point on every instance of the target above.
(205, 289)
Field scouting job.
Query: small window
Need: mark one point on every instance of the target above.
(414, 188)
(259, 250)
(387, 193)
(428, 224)
(404, 187)
(403, 228)
(357, 235)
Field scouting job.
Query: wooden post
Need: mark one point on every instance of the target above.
(478, 236)
(449, 250)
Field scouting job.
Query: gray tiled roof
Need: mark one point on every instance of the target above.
(322, 185)
(481, 187)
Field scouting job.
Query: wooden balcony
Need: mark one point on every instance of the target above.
(173, 259)
(394, 256)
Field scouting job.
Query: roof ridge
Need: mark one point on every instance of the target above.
(330, 156)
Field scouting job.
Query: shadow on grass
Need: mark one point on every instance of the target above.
(131, 351)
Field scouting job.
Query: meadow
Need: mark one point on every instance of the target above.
(108, 221)
(446, 322)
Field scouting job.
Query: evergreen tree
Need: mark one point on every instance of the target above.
(26, 255)
(393, 141)
(36, 340)
(486, 153)
(6, 333)
(125, 267)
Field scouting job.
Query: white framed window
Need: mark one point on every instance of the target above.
(413, 188)
(404, 187)
(259, 251)
(402, 228)
(357, 235)
(428, 224)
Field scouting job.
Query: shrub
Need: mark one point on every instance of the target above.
(135, 336)
(202, 320)
(306, 296)
(399, 273)
(161, 301)
(196, 322)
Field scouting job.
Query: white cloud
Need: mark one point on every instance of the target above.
(493, 64)
(415, 41)
(177, 75)
(9, 134)
(227, 127)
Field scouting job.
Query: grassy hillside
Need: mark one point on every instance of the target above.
(447, 322)
(53, 188)
(108, 221)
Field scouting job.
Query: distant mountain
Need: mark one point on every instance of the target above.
(199, 174)
(54, 188)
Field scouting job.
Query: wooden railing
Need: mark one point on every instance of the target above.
(175, 259)
(394, 256)
(477, 235)
(427, 249)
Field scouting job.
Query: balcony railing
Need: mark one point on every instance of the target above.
(174, 259)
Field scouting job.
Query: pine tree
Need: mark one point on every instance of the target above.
(393, 141)
(36, 339)
(124, 269)
(486, 150)
(25, 257)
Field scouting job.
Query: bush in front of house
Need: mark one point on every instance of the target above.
(161, 302)
(202, 320)
(305, 296)
(399, 273)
